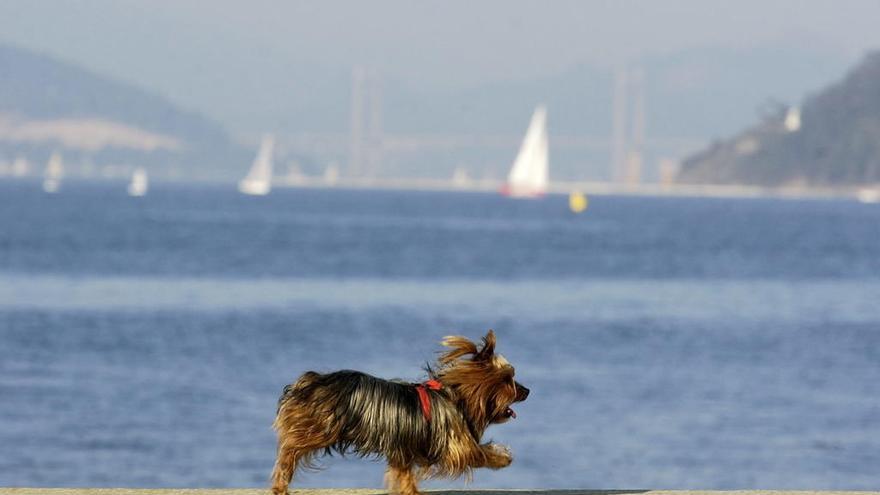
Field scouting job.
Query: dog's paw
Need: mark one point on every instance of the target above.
(501, 456)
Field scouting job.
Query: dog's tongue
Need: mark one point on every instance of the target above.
(511, 413)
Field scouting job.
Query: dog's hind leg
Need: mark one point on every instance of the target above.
(285, 465)
(300, 438)
(294, 451)
(401, 481)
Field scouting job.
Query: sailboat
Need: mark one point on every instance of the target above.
(792, 121)
(258, 181)
(139, 183)
(331, 174)
(868, 195)
(20, 167)
(528, 176)
(54, 173)
(460, 178)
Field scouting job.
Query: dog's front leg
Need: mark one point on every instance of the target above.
(494, 456)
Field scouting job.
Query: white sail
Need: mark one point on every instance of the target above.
(331, 174)
(139, 183)
(868, 195)
(528, 176)
(259, 179)
(20, 167)
(54, 173)
(792, 122)
(460, 178)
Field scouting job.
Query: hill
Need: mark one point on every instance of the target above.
(48, 105)
(832, 140)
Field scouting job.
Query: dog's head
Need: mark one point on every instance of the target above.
(482, 380)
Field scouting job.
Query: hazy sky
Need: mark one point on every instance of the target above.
(207, 53)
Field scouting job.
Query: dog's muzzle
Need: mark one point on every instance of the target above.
(522, 393)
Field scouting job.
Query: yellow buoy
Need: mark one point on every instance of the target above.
(577, 202)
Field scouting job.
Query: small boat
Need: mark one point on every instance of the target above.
(460, 178)
(868, 195)
(20, 167)
(529, 174)
(792, 122)
(54, 173)
(577, 202)
(331, 174)
(258, 181)
(139, 183)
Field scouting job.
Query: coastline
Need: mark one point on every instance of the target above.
(590, 188)
(369, 491)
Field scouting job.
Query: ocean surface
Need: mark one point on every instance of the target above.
(668, 342)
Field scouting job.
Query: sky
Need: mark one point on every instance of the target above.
(226, 58)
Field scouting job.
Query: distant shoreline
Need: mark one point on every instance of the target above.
(596, 188)
(371, 491)
(866, 194)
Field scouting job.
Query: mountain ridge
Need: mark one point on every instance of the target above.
(48, 105)
(836, 141)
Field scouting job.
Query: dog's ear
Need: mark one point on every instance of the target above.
(488, 346)
(460, 346)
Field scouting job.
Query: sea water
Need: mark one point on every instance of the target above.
(668, 343)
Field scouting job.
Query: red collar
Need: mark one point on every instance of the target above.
(422, 389)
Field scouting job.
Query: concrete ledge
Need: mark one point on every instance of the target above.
(361, 491)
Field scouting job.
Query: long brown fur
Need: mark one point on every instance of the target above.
(352, 412)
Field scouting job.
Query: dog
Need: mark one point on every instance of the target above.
(423, 430)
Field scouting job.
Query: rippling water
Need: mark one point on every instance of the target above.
(668, 343)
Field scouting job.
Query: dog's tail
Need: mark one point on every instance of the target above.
(298, 388)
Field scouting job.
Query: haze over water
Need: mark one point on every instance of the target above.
(668, 343)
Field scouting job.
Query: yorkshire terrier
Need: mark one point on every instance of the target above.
(424, 430)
